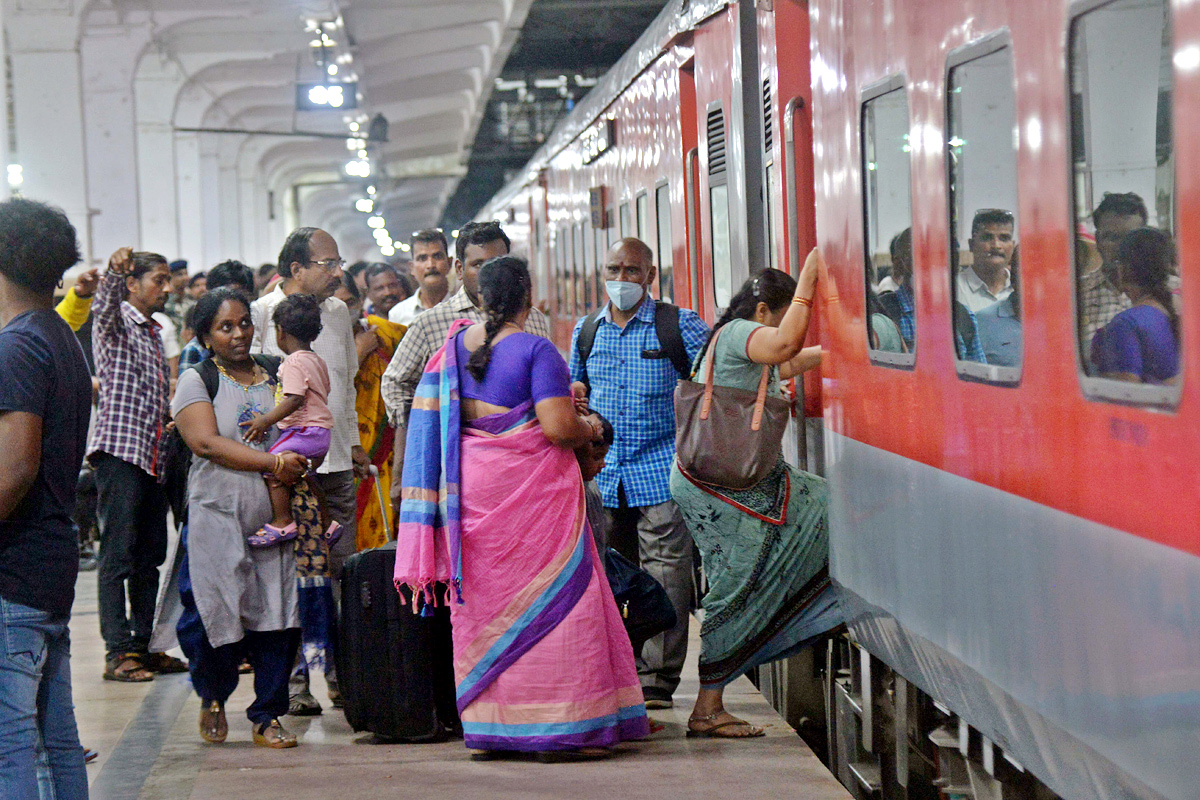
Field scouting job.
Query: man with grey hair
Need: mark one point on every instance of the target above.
(309, 263)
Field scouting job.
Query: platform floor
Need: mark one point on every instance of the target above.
(150, 749)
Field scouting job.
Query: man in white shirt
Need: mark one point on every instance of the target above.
(988, 280)
(430, 267)
(309, 263)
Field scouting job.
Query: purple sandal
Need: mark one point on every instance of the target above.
(269, 536)
(333, 533)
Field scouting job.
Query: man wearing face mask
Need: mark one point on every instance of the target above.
(625, 361)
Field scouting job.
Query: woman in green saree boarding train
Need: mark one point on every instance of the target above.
(765, 549)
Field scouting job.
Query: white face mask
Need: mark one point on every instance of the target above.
(623, 294)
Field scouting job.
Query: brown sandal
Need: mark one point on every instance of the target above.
(127, 668)
(272, 734)
(714, 731)
(214, 728)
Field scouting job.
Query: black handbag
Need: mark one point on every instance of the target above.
(645, 607)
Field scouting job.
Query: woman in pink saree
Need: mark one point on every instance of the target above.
(493, 506)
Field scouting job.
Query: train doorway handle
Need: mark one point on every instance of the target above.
(793, 236)
(693, 226)
(789, 168)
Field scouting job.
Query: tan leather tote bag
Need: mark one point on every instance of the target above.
(728, 437)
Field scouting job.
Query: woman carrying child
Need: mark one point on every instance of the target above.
(304, 419)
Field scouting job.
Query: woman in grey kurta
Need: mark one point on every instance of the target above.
(238, 601)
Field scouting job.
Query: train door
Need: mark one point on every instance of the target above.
(692, 292)
(784, 38)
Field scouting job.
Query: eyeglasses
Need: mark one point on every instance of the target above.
(330, 264)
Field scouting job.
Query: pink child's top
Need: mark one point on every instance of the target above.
(304, 374)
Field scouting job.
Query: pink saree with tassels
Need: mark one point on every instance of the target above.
(541, 657)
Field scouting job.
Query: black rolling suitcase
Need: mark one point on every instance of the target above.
(395, 668)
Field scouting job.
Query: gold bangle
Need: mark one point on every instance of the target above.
(278, 465)
(803, 301)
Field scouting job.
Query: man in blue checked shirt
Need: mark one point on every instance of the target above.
(630, 380)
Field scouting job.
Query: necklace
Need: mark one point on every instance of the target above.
(245, 387)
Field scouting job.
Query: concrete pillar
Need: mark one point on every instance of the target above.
(156, 87)
(108, 56)
(49, 135)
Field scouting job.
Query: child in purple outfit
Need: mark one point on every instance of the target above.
(302, 414)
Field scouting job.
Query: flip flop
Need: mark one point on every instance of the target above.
(269, 535)
(333, 533)
(714, 731)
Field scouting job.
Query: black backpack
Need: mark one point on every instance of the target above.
(666, 327)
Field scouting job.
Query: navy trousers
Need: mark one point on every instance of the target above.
(215, 669)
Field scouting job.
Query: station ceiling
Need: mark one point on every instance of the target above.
(441, 72)
(561, 39)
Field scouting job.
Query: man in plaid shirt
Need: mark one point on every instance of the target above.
(1100, 297)
(125, 450)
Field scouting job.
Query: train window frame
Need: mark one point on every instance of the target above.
(870, 92)
(666, 276)
(625, 220)
(1154, 397)
(641, 214)
(989, 44)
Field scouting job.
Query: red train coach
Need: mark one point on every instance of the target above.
(1014, 532)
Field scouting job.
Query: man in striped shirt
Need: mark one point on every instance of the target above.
(125, 450)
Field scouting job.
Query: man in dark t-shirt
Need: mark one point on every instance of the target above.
(45, 399)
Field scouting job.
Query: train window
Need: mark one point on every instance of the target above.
(643, 216)
(981, 158)
(601, 250)
(589, 264)
(768, 110)
(560, 258)
(718, 206)
(577, 272)
(626, 221)
(1126, 266)
(887, 218)
(666, 256)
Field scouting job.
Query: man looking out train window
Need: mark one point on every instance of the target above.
(988, 279)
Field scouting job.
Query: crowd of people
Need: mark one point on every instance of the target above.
(262, 412)
(255, 410)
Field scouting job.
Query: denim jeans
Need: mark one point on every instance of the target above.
(36, 705)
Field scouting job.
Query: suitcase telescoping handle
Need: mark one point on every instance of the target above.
(382, 505)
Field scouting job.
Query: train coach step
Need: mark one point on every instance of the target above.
(853, 698)
(867, 774)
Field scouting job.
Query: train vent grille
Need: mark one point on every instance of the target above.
(716, 141)
(768, 118)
